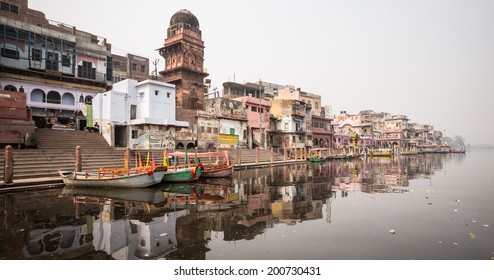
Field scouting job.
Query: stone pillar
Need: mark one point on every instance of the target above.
(239, 154)
(217, 154)
(257, 154)
(8, 166)
(272, 155)
(284, 153)
(78, 159)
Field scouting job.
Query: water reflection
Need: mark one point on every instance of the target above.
(178, 221)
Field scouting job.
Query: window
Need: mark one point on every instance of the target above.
(86, 70)
(36, 55)
(52, 61)
(143, 68)
(215, 130)
(53, 97)
(9, 7)
(10, 53)
(245, 134)
(253, 109)
(202, 129)
(133, 112)
(156, 92)
(134, 134)
(209, 130)
(134, 66)
(65, 60)
(168, 94)
(232, 131)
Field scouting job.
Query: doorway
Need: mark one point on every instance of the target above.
(121, 136)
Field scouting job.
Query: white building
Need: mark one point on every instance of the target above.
(138, 114)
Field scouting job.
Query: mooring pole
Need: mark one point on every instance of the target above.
(78, 159)
(8, 166)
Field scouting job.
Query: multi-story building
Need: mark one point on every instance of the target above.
(258, 120)
(293, 117)
(322, 132)
(222, 124)
(140, 115)
(57, 66)
(130, 67)
(292, 93)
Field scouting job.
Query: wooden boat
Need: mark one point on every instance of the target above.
(318, 155)
(220, 168)
(182, 173)
(379, 152)
(115, 177)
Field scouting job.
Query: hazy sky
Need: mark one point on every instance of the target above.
(431, 60)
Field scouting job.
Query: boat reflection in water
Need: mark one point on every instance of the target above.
(178, 221)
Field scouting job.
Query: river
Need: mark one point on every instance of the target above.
(420, 207)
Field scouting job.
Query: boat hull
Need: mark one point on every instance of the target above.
(140, 180)
(217, 173)
(188, 174)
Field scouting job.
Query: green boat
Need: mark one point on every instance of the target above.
(184, 174)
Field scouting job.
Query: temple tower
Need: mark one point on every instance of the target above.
(183, 52)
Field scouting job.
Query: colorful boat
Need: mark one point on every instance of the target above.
(182, 173)
(318, 155)
(222, 167)
(115, 177)
(379, 152)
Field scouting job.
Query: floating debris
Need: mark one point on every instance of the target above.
(455, 243)
(486, 225)
(164, 234)
(440, 242)
(457, 200)
(456, 210)
(392, 231)
(472, 235)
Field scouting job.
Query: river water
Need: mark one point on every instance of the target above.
(423, 207)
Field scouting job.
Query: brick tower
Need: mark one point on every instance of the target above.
(183, 52)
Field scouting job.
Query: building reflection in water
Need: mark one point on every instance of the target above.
(78, 223)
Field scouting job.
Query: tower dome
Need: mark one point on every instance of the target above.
(184, 18)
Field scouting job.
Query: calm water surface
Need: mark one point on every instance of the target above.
(411, 207)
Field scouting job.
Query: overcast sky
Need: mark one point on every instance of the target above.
(431, 60)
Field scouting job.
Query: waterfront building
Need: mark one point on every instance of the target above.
(58, 67)
(292, 93)
(223, 124)
(183, 52)
(140, 115)
(258, 120)
(16, 126)
(322, 132)
(293, 117)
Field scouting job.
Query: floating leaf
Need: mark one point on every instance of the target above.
(455, 243)
(392, 231)
(486, 225)
(472, 235)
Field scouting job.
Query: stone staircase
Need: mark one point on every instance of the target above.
(56, 151)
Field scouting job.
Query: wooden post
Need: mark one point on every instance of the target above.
(8, 166)
(272, 155)
(78, 159)
(257, 154)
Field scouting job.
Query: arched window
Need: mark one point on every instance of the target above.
(37, 95)
(10, 88)
(53, 97)
(68, 99)
(190, 146)
(316, 142)
(180, 146)
(88, 99)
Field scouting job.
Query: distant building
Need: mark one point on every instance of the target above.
(140, 115)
